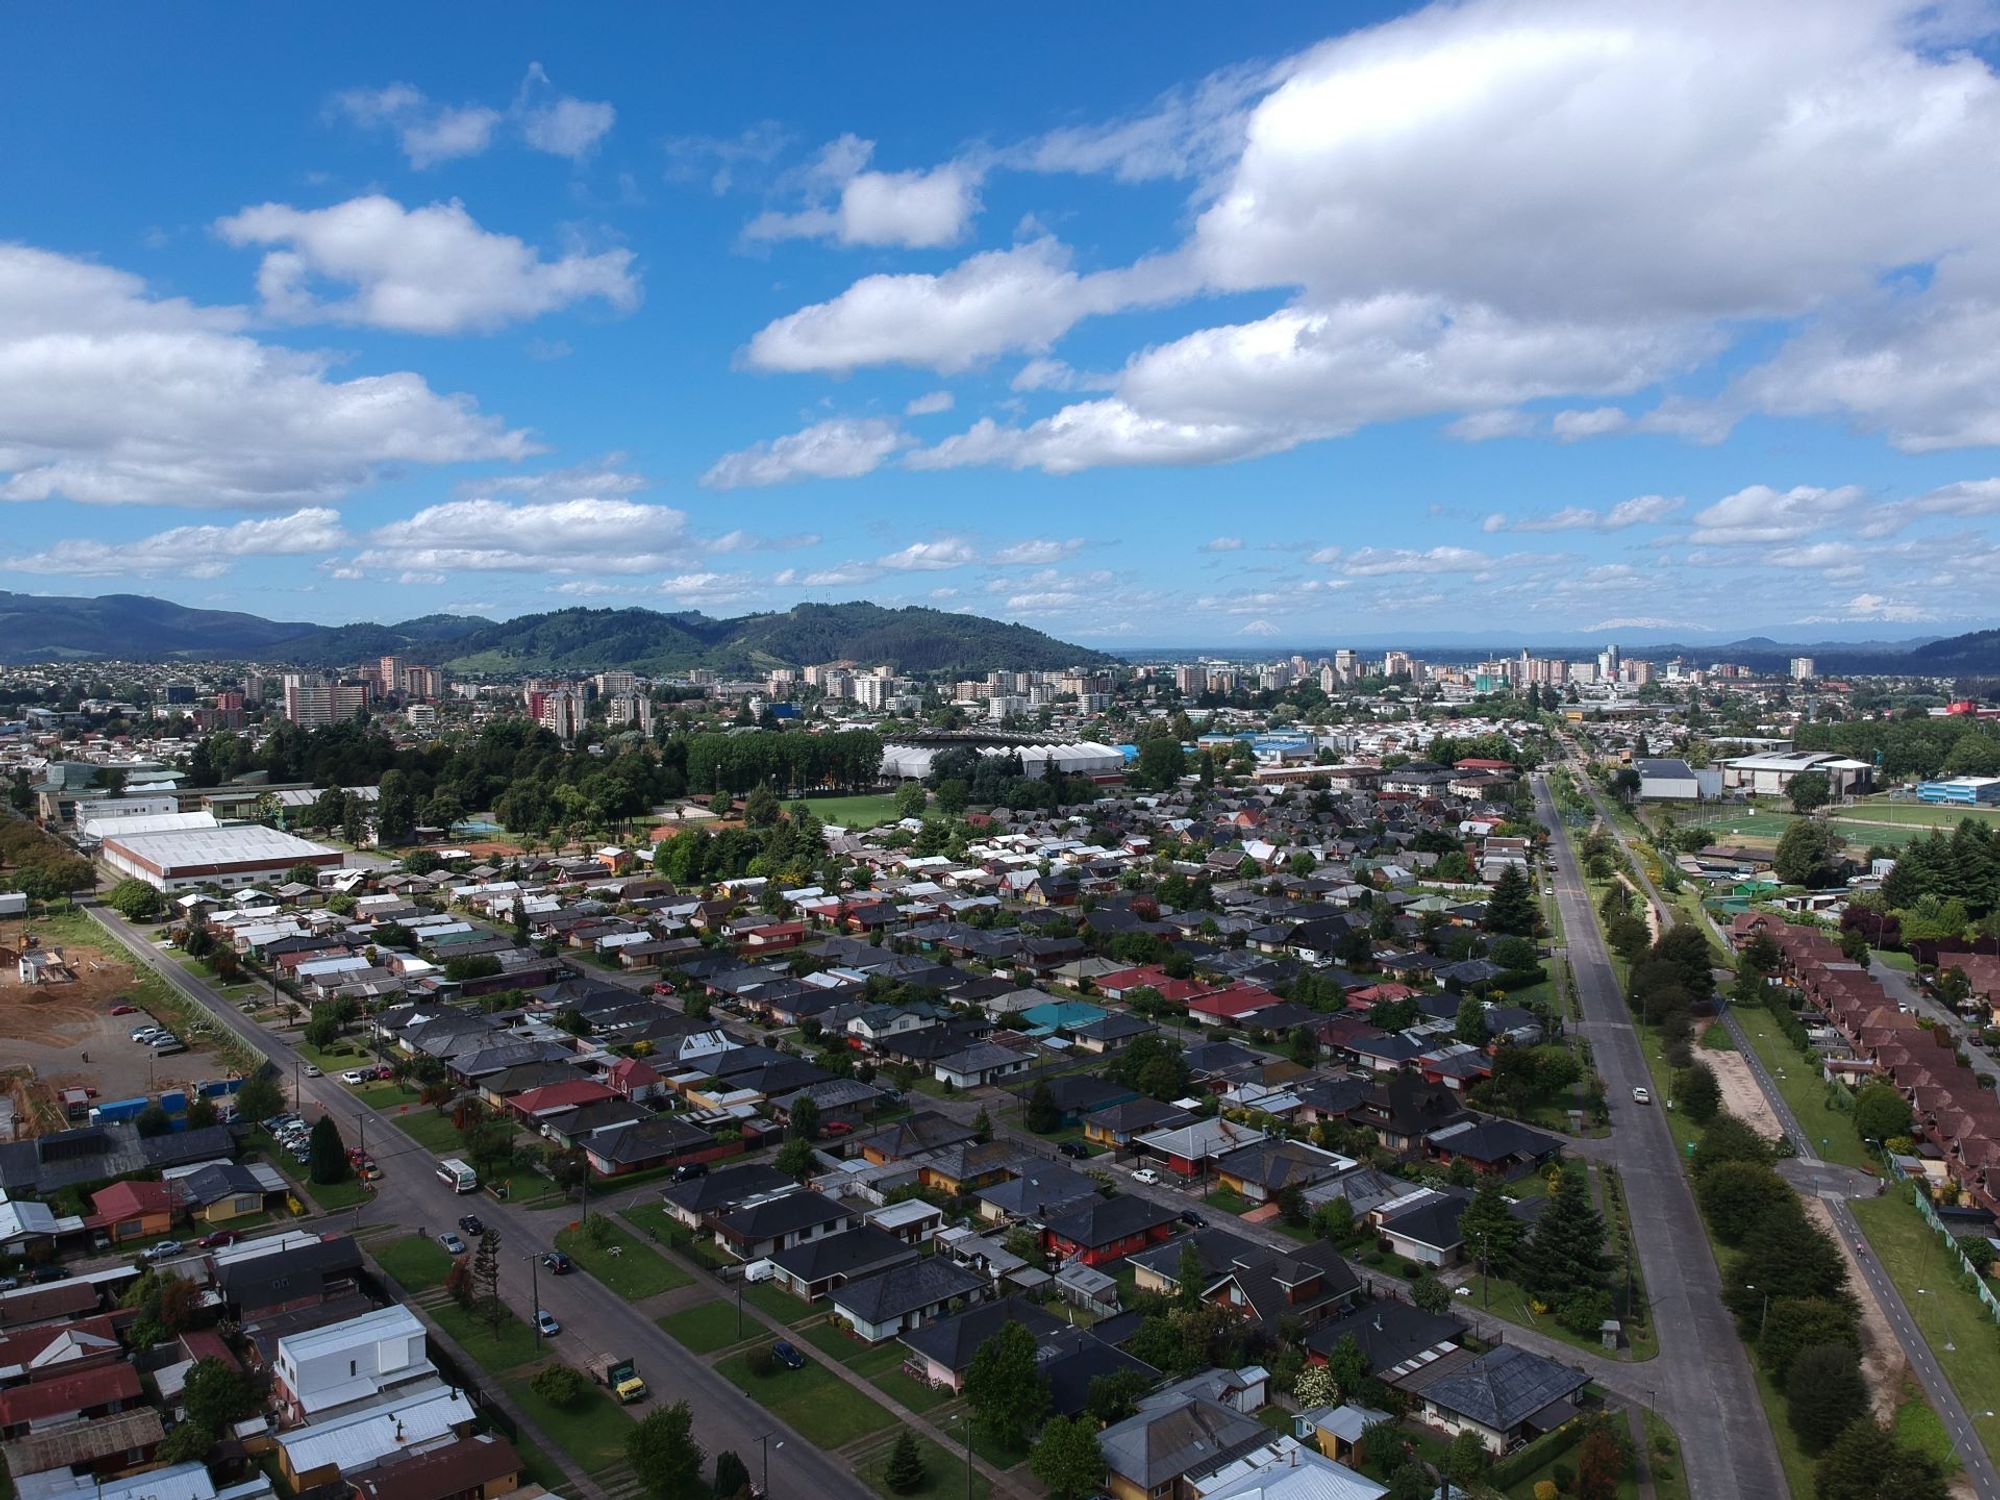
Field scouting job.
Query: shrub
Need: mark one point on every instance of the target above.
(761, 1361)
(560, 1386)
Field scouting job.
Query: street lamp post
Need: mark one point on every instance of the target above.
(967, 1428)
(535, 1294)
(764, 1447)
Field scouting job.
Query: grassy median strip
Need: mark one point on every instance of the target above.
(816, 1403)
(621, 1261)
(1953, 1321)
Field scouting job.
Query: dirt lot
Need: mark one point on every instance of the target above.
(1740, 1094)
(53, 1028)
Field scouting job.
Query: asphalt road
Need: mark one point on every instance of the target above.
(1702, 1372)
(1978, 1466)
(593, 1318)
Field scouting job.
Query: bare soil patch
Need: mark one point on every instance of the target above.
(1740, 1094)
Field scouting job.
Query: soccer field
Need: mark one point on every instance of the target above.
(854, 812)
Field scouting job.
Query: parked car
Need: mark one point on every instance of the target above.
(165, 1250)
(8, 1283)
(759, 1270)
(786, 1354)
(558, 1264)
(1074, 1150)
(471, 1224)
(1642, 1096)
(1192, 1219)
(452, 1243)
(355, 1075)
(312, 1071)
(546, 1325)
(687, 1171)
(124, 1009)
(164, 1039)
(219, 1240)
(1146, 1175)
(144, 1033)
(43, 1275)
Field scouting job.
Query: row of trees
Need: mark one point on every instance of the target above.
(40, 864)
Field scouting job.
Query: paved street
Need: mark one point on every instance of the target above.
(1817, 1177)
(593, 1318)
(1702, 1372)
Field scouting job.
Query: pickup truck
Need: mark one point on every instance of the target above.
(620, 1377)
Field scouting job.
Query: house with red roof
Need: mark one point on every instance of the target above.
(96, 1392)
(534, 1105)
(1227, 1006)
(133, 1210)
(636, 1079)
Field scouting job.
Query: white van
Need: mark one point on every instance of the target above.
(457, 1176)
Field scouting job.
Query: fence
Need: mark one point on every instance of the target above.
(1979, 1286)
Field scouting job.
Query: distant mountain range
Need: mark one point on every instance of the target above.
(135, 627)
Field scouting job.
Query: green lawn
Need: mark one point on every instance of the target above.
(944, 1475)
(1798, 1080)
(623, 1263)
(592, 1433)
(1797, 1463)
(388, 1095)
(334, 1196)
(1225, 1200)
(416, 1262)
(709, 1326)
(1664, 1457)
(1920, 1427)
(659, 1227)
(854, 812)
(780, 1304)
(1946, 1313)
(431, 1130)
(1903, 963)
(824, 1410)
(498, 1349)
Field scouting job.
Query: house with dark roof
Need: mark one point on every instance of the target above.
(483, 1466)
(698, 1201)
(1107, 1229)
(1119, 1124)
(923, 1131)
(762, 1229)
(1264, 1169)
(262, 1286)
(1507, 1396)
(941, 1351)
(1306, 1286)
(968, 1166)
(1159, 1269)
(1423, 1226)
(1499, 1147)
(905, 1296)
(813, 1268)
(1077, 1096)
(1042, 1191)
(1399, 1340)
(642, 1145)
(1152, 1452)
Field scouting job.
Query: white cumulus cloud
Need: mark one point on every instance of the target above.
(417, 270)
(839, 448)
(580, 535)
(189, 551)
(109, 395)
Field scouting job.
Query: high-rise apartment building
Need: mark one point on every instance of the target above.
(313, 701)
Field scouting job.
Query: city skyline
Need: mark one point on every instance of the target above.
(1650, 324)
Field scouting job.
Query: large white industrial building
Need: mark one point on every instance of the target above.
(907, 762)
(230, 855)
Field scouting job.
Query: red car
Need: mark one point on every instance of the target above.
(836, 1127)
(124, 1010)
(219, 1239)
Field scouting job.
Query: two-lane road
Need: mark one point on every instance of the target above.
(1706, 1386)
(594, 1319)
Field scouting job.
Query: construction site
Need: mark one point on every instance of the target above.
(58, 1032)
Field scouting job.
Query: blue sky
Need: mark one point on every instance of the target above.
(1535, 320)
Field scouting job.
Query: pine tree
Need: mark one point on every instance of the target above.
(1042, 1115)
(486, 1278)
(327, 1153)
(1565, 1254)
(1510, 909)
(732, 1476)
(905, 1471)
(1488, 1229)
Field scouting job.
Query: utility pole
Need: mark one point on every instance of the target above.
(535, 1295)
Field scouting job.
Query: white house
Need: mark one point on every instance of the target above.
(326, 1369)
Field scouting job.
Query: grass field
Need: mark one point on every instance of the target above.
(592, 1433)
(944, 1475)
(709, 1326)
(854, 812)
(623, 1263)
(1832, 1130)
(498, 1347)
(429, 1129)
(416, 1263)
(1946, 1314)
(824, 1409)
(1880, 809)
